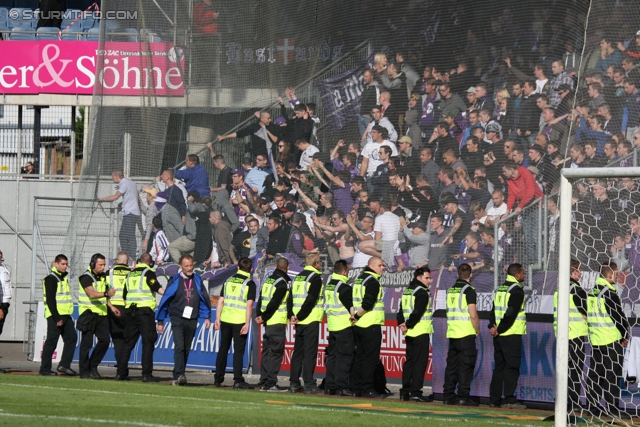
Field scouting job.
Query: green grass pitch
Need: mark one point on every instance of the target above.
(30, 400)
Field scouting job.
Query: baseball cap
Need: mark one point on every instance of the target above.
(449, 114)
(564, 86)
(415, 96)
(638, 33)
(378, 128)
(449, 199)
(405, 139)
(472, 89)
(494, 126)
(280, 121)
(289, 207)
(237, 172)
(265, 199)
(538, 148)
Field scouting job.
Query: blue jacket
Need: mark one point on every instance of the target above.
(170, 292)
(195, 178)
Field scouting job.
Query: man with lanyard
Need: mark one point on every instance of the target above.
(463, 326)
(233, 320)
(308, 312)
(274, 310)
(92, 308)
(58, 306)
(608, 333)
(369, 317)
(578, 331)
(338, 301)
(507, 323)
(185, 300)
(117, 281)
(141, 283)
(414, 320)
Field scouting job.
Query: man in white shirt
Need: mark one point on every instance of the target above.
(496, 208)
(379, 120)
(385, 240)
(371, 151)
(308, 151)
(5, 291)
(128, 190)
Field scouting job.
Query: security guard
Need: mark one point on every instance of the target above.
(308, 312)
(117, 280)
(139, 317)
(92, 307)
(5, 292)
(415, 322)
(507, 323)
(578, 331)
(338, 300)
(58, 306)
(369, 318)
(608, 333)
(233, 320)
(274, 310)
(463, 326)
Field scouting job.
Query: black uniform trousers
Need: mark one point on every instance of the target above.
(273, 341)
(507, 354)
(415, 364)
(339, 359)
(183, 332)
(138, 322)
(116, 330)
(461, 361)
(305, 354)
(69, 337)
(5, 310)
(230, 331)
(100, 329)
(576, 371)
(603, 378)
(368, 341)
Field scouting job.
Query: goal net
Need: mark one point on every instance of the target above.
(599, 241)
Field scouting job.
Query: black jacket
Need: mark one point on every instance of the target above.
(315, 287)
(369, 99)
(278, 241)
(513, 308)
(278, 295)
(419, 307)
(372, 287)
(50, 289)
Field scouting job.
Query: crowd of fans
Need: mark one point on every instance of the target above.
(443, 155)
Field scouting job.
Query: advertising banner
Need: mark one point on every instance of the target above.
(203, 355)
(70, 67)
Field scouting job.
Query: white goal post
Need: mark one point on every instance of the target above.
(564, 259)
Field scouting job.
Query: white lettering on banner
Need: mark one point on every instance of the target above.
(287, 52)
(84, 70)
(46, 62)
(70, 68)
(166, 339)
(7, 71)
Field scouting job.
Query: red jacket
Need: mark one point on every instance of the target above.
(204, 19)
(524, 189)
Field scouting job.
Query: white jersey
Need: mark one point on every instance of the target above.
(5, 280)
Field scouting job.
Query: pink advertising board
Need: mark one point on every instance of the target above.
(69, 67)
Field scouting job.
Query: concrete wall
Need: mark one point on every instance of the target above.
(16, 235)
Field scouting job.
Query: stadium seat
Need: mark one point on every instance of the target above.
(22, 33)
(35, 18)
(67, 24)
(73, 35)
(87, 21)
(47, 33)
(4, 16)
(93, 34)
(149, 35)
(124, 34)
(20, 21)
